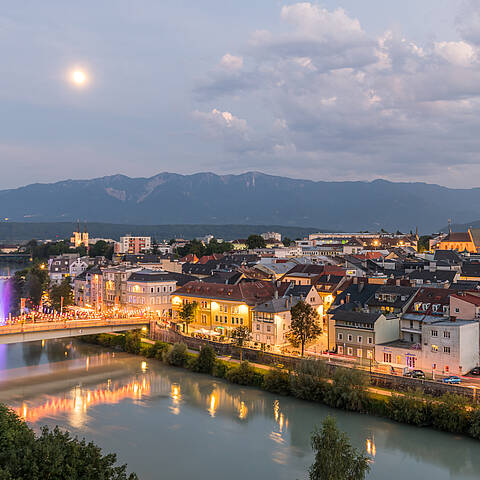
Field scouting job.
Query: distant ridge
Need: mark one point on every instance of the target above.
(15, 231)
(250, 198)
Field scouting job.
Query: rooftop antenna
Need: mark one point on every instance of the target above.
(449, 225)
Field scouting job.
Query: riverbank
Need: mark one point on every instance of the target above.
(345, 389)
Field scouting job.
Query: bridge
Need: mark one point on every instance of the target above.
(30, 332)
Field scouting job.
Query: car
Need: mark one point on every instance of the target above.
(414, 374)
(474, 371)
(452, 380)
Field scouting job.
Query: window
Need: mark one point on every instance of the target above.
(434, 348)
(446, 334)
(340, 336)
(340, 350)
(269, 328)
(446, 350)
(370, 340)
(349, 351)
(457, 310)
(258, 326)
(434, 333)
(369, 354)
(349, 338)
(258, 337)
(204, 318)
(359, 352)
(359, 339)
(387, 357)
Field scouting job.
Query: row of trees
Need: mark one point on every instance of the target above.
(196, 247)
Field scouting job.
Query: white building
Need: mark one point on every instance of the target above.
(272, 236)
(135, 245)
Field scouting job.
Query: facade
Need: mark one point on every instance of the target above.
(59, 267)
(79, 239)
(448, 347)
(460, 241)
(151, 291)
(222, 307)
(133, 245)
(88, 289)
(115, 284)
(272, 236)
(357, 333)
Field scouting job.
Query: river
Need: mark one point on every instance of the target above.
(168, 423)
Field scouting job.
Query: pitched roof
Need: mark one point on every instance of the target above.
(152, 276)
(468, 297)
(251, 293)
(355, 317)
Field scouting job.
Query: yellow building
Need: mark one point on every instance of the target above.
(221, 308)
(461, 241)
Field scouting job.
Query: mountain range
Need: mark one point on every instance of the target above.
(251, 198)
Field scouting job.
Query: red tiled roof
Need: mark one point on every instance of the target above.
(251, 293)
(468, 297)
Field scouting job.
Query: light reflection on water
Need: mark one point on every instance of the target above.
(125, 405)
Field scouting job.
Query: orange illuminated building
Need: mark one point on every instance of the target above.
(461, 241)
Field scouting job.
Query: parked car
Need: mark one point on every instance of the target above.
(414, 374)
(452, 380)
(474, 371)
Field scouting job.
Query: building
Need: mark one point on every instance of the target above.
(88, 289)
(59, 266)
(153, 290)
(272, 236)
(135, 245)
(468, 241)
(357, 333)
(79, 239)
(448, 347)
(221, 307)
(115, 284)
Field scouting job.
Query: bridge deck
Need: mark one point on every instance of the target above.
(34, 331)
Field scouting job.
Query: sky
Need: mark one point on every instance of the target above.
(332, 90)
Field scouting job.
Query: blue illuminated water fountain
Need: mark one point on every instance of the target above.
(4, 301)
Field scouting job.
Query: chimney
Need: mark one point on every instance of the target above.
(276, 294)
(347, 298)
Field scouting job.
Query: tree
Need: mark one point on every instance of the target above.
(304, 325)
(287, 242)
(53, 454)
(206, 360)
(423, 244)
(335, 458)
(256, 241)
(63, 290)
(241, 335)
(101, 249)
(187, 313)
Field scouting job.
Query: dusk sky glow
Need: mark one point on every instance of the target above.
(331, 90)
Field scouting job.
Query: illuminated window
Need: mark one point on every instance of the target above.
(434, 348)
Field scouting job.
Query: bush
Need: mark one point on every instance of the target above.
(53, 454)
(410, 409)
(220, 369)
(449, 413)
(307, 387)
(474, 430)
(244, 374)
(277, 381)
(158, 349)
(133, 342)
(205, 360)
(347, 390)
(146, 350)
(176, 355)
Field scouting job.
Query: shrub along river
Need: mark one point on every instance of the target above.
(169, 423)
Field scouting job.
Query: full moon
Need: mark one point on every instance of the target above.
(79, 77)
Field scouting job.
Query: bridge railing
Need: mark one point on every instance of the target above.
(68, 324)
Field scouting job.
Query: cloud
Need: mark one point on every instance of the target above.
(342, 100)
(231, 62)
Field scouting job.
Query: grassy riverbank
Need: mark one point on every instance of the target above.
(346, 388)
